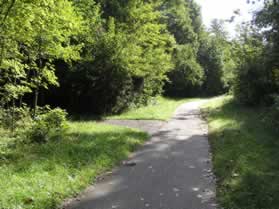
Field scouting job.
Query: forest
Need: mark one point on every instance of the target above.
(66, 59)
(104, 57)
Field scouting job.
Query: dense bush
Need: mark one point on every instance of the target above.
(15, 120)
(183, 19)
(216, 56)
(257, 70)
(273, 112)
(252, 84)
(276, 114)
(95, 93)
(20, 123)
(187, 77)
(210, 57)
(126, 66)
(48, 125)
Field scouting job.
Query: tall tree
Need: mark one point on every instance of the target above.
(128, 59)
(268, 18)
(183, 20)
(33, 34)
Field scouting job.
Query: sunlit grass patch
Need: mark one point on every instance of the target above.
(42, 175)
(161, 109)
(245, 153)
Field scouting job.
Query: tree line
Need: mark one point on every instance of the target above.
(104, 56)
(257, 70)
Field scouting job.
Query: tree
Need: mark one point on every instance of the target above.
(11, 68)
(55, 24)
(257, 69)
(216, 58)
(127, 60)
(33, 34)
(252, 82)
(183, 20)
(268, 18)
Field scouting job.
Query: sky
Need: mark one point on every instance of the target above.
(224, 9)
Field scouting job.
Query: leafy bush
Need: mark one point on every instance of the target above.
(47, 126)
(15, 118)
(276, 110)
(253, 80)
(252, 85)
(187, 77)
(273, 113)
(5, 118)
(18, 123)
(212, 60)
(127, 66)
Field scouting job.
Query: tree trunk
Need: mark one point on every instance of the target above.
(13, 116)
(20, 101)
(36, 95)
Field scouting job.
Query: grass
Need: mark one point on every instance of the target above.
(245, 155)
(42, 176)
(162, 109)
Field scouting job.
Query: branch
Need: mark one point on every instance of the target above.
(7, 13)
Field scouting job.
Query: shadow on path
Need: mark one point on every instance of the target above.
(172, 170)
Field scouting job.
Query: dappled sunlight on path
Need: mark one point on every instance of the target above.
(171, 171)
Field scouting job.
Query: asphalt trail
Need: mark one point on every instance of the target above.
(171, 171)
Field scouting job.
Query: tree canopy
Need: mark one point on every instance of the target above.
(105, 56)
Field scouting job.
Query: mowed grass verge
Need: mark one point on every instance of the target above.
(245, 155)
(41, 176)
(161, 109)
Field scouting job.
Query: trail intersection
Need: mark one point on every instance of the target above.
(171, 171)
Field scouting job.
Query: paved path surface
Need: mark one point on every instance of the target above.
(150, 126)
(172, 171)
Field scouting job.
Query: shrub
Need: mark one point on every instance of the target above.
(49, 125)
(5, 119)
(273, 113)
(187, 77)
(252, 85)
(15, 119)
(276, 109)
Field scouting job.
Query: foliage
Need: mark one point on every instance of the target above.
(129, 59)
(49, 125)
(19, 124)
(183, 19)
(217, 58)
(258, 58)
(32, 34)
(210, 57)
(268, 18)
(275, 116)
(16, 119)
(253, 82)
(99, 56)
(112, 56)
(272, 114)
(187, 77)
